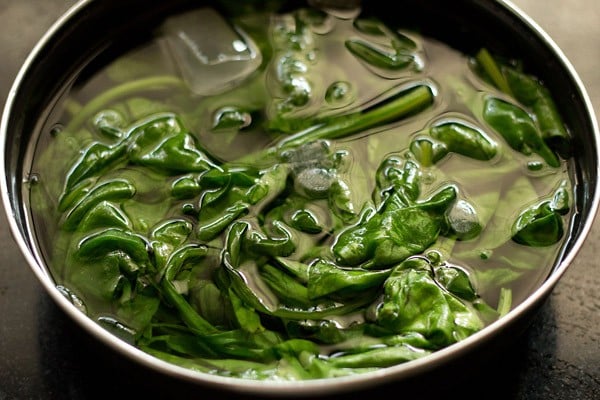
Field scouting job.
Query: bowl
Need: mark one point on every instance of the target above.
(466, 25)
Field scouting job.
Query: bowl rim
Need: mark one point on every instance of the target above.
(305, 387)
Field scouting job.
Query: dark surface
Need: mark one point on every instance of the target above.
(44, 355)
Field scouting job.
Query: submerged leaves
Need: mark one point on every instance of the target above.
(283, 264)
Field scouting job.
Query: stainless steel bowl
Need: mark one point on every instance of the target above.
(93, 29)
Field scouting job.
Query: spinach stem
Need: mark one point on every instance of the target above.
(407, 103)
(415, 100)
(152, 83)
(490, 66)
(504, 302)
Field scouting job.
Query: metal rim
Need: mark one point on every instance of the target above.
(310, 387)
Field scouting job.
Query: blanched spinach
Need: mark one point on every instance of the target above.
(307, 256)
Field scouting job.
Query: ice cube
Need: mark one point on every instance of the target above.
(314, 154)
(211, 54)
(314, 183)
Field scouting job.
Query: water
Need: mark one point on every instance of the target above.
(227, 82)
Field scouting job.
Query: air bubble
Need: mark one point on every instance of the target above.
(56, 129)
(339, 94)
(32, 179)
(73, 298)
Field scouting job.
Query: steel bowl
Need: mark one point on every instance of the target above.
(94, 29)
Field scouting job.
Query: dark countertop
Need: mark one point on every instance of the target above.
(44, 355)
